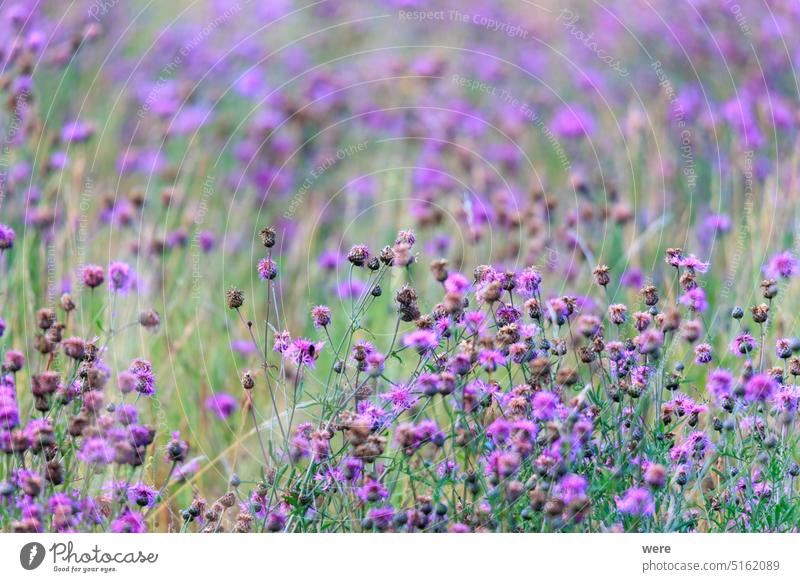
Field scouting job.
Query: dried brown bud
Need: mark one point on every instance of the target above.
(45, 318)
(149, 319)
(601, 275)
(439, 270)
(235, 298)
(268, 237)
(649, 295)
(67, 304)
(760, 313)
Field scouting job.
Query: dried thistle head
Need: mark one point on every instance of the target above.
(234, 298)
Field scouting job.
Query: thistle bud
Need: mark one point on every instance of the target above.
(235, 298)
(268, 237)
(601, 275)
(67, 304)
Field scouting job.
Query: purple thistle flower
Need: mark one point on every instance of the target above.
(206, 240)
(142, 370)
(720, 384)
(456, 283)
(96, 451)
(76, 132)
(695, 300)
(743, 344)
(692, 263)
(120, 277)
(760, 388)
(400, 397)
(127, 414)
(276, 521)
(499, 431)
(321, 314)
(490, 360)
(267, 269)
(783, 265)
(703, 354)
(422, 340)
(7, 236)
(786, 399)
(129, 522)
(142, 495)
(572, 121)
(783, 347)
(93, 276)
(637, 501)
(545, 404)
(177, 448)
(303, 352)
(528, 282)
(572, 487)
(358, 255)
(281, 341)
(222, 404)
(372, 491)
(474, 322)
(381, 517)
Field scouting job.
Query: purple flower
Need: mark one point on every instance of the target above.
(743, 344)
(282, 340)
(720, 384)
(490, 360)
(276, 521)
(93, 276)
(76, 132)
(206, 240)
(381, 517)
(499, 431)
(637, 501)
(142, 370)
(321, 314)
(142, 495)
(703, 353)
(422, 340)
(372, 491)
(120, 277)
(456, 283)
(96, 451)
(786, 399)
(692, 263)
(632, 278)
(129, 522)
(783, 265)
(474, 322)
(695, 300)
(127, 414)
(572, 487)
(572, 121)
(545, 404)
(267, 269)
(7, 236)
(528, 282)
(304, 352)
(760, 388)
(400, 397)
(221, 404)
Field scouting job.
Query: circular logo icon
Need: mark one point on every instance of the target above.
(31, 555)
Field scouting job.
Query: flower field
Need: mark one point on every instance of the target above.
(477, 266)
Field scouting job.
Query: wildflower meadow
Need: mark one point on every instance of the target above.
(399, 266)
